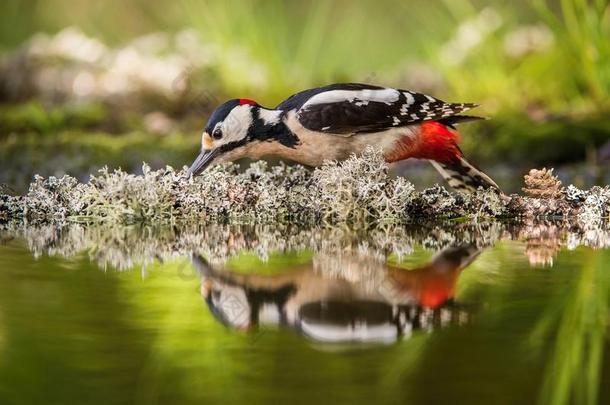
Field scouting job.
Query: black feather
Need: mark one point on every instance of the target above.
(297, 100)
(459, 119)
(352, 115)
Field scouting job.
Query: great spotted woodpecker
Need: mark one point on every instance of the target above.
(338, 120)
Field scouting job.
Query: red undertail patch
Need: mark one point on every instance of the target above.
(434, 141)
(438, 142)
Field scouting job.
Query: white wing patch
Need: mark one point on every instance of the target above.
(270, 117)
(409, 97)
(387, 96)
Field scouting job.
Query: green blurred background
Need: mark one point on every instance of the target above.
(88, 83)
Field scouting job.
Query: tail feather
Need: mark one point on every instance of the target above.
(438, 143)
(452, 121)
(463, 176)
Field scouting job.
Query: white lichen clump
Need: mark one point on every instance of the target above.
(359, 189)
(355, 191)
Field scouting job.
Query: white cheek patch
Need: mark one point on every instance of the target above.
(235, 125)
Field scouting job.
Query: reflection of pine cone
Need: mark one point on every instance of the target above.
(541, 252)
(542, 184)
(543, 242)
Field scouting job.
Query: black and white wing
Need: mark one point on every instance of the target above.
(354, 108)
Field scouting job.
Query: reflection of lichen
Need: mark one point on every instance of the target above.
(124, 246)
(10, 207)
(356, 191)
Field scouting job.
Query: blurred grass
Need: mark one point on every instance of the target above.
(272, 48)
(583, 30)
(540, 69)
(33, 116)
(307, 44)
(467, 42)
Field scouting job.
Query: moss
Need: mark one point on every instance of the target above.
(33, 116)
(81, 153)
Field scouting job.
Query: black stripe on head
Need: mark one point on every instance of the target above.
(227, 147)
(220, 113)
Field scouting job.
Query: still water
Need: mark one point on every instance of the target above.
(454, 313)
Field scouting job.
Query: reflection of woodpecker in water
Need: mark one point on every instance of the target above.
(370, 302)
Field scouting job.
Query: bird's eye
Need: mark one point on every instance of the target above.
(217, 133)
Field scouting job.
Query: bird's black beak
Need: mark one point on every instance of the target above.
(202, 161)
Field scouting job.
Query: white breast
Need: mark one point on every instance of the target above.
(314, 148)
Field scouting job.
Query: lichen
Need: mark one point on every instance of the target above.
(596, 205)
(358, 190)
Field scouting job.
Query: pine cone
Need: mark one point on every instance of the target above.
(542, 184)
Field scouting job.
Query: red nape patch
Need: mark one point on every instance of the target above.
(438, 142)
(243, 101)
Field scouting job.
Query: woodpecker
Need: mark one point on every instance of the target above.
(335, 121)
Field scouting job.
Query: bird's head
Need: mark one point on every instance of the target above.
(230, 127)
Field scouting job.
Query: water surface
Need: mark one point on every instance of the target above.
(502, 314)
